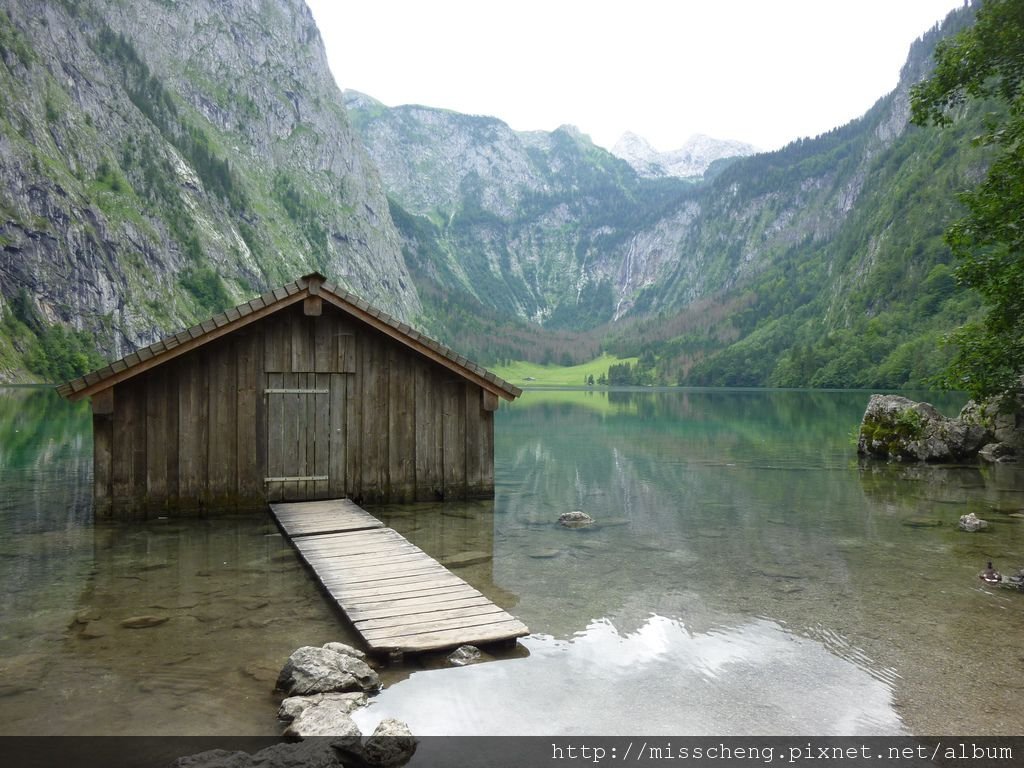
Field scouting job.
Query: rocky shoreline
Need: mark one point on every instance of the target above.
(322, 687)
(895, 428)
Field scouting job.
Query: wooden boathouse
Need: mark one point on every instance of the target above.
(306, 392)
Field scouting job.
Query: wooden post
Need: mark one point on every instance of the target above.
(312, 306)
(490, 400)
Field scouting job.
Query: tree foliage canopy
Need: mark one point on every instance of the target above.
(986, 63)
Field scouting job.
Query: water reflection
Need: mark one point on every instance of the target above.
(746, 575)
(754, 505)
(662, 678)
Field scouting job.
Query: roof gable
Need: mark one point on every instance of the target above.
(313, 284)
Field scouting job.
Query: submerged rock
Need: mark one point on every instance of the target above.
(144, 622)
(324, 670)
(544, 554)
(464, 559)
(894, 427)
(1016, 581)
(463, 655)
(971, 523)
(575, 519)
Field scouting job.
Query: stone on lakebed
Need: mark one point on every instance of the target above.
(575, 519)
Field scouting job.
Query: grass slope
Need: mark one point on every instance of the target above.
(524, 374)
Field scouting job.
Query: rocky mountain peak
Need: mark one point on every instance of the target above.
(690, 160)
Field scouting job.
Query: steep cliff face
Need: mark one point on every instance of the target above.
(164, 158)
(543, 226)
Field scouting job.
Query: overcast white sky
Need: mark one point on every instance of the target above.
(761, 71)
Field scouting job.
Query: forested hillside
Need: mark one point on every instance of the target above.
(833, 261)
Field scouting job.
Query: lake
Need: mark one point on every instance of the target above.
(746, 574)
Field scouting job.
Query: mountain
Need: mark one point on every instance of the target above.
(818, 264)
(692, 160)
(163, 159)
(540, 226)
(823, 263)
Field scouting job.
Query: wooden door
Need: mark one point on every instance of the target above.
(299, 435)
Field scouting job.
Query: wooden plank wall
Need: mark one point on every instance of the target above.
(199, 433)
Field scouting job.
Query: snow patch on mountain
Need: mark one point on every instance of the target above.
(689, 161)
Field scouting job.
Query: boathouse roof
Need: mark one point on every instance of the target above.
(313, 284)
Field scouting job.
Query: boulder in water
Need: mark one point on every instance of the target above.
(325, 670)
(972, 523)
(894, 427)
(575, 519)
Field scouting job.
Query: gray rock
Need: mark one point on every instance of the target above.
(894, 427)
(310, 754)
(312, 670)
(346, 649)
(575, 519)
(998, 453)
(316, 753)
(215, 758)
(294, 706)
(972, 523)
(390, 744)
(463, 655)
(329, 718)
(1002, 416)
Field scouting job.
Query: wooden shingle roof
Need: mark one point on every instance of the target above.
(313, 284)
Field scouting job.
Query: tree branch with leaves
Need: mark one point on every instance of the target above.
(985, 64)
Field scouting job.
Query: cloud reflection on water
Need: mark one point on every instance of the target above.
(754, 678)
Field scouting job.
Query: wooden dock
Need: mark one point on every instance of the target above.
(396, 596)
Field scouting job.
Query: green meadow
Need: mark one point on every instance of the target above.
(524, 374)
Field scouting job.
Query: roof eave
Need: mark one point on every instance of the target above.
(219, 325)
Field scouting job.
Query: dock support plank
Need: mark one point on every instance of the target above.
(397, 597)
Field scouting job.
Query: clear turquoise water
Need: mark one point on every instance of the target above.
(747, 575)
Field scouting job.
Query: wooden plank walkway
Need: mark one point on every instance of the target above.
(396, 596)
